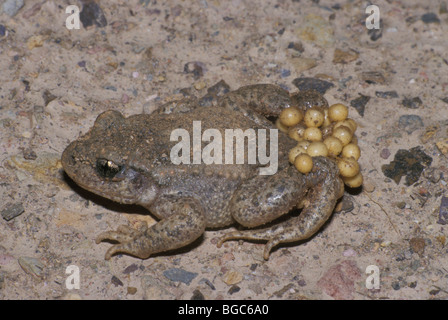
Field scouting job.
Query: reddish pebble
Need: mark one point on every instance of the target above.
(385, 153)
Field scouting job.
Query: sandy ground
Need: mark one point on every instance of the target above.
(55, 81)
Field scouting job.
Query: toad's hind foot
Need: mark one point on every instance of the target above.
(318, 208)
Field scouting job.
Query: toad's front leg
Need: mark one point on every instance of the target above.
(186, 224)
(325, 187)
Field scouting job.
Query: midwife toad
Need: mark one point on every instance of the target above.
(127, 160)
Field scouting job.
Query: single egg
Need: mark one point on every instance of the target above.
(348, 167)
(303, 163)
(327, 121)
(296, 132)
(351, 150)
(344, 134)
(316, 149)
(312, 134)
(314, 117)
(338, 112)
(294, 152)
(280, 126)
(290, 116)
(334, 146)
(354, 182)
(304, 144)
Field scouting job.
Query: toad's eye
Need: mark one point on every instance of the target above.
(107, 168)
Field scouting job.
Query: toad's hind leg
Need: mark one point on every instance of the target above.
(183, 226)
(325, 187)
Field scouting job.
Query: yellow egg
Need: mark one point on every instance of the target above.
(344, 134)
(294, 152)
(290, 116)
(316, 149)
(327, 121)
(314, 117)
(304, 144)
(280, 126)
(349, 124)
(348, 167)
(312, 134)
(354, 182)
(338, 112)
(303, 163)
(351, 150)
(296, 132)
(352, 123)
(334, 146)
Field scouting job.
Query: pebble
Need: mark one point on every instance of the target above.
(12, 210)
(2, 30)
(386, 94)
(32, 266)
(91, 14)
(197, 295)
(316, 29)
(345, 205)
(373, 77)
(131, 290)
(409, 163)
(375, 34)
(417, 245)
(412, 103)
(385, 153)
(285, 73)
(233, 289)
(196, 68)
(301, 64)
(11, 7)
(297, 46)
(401, 205)
(72, 296)
(154, 289)
(199, 85)
(116, 282)
(443, 211)
(339, 280)
(360, 104)
(410, 123)
(35, 41)
(219, 89)
(349, 253)
(128, 270)
(344, 57)
(232, 277)
(368, 186)
(306, 83)
(181, 275)
(442, 145)
(430, 17)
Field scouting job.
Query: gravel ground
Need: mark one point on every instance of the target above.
(134, 55)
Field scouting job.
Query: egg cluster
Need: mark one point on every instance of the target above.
(326, 132)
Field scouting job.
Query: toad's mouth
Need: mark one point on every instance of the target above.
(116, 191)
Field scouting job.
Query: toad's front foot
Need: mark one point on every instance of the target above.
(183, 227)
(130, 241)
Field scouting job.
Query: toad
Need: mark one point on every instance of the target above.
(128, 160)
